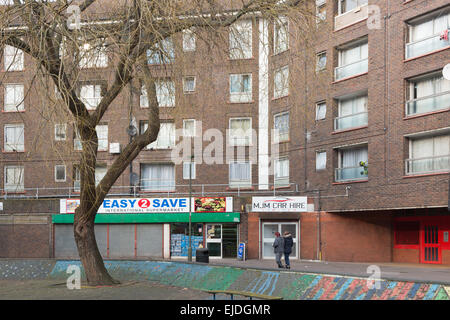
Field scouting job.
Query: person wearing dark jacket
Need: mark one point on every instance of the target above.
(288, 243)
(278, 248)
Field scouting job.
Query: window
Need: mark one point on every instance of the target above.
(143, 98)
(240, 174)
(281, 82)
(428, 154)
(60, 131)
(240, 131)
(428, 94)
(321, 110)
(93, 55)
(163, 53)
(189, 84)
(348, 5)
(76, 178)
(280, 35)
(188, 40)
(14, 178)
(349, 161)
(425, 34)
(281, 172)
(100, 172)
(157, 177)
(14, 94)
(321, 160)
(189, 128)
(13, 59)
(91, 95)
(321, 61)
(165, 93)
(281, 126)
(14, 140)
(186, 166)
(241, 40)
(407, 232)
(352, 113)
(60, 173)
(166, 136)
(240, 88)
(353, 60)
(102, 135)
(321, 11)
(77, 145)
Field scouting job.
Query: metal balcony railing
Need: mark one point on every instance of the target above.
(351, 121)
(423, 46)
(436, 102)
(350, 173)
(351, 69)
(427, 165)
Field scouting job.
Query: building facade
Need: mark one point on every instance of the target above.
(353, 115)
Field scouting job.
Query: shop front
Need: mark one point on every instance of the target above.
(270, 215)
(153, 227)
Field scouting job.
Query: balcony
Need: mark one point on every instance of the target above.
(350, 174)
(440, 101)
(352, 69)
(427, 165)
(351, 121)
(351, 17)
(424, 46)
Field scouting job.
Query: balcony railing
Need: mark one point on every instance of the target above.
(423, 46)
(350, 173)
(427, 165)
(352, 16)
(352, 69)
(351, 121)
(440, 101)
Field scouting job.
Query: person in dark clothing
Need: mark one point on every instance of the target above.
(288, 243)
(278, 248)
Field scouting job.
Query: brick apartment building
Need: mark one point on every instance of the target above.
(362, 112)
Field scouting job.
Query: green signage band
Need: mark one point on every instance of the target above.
(155, 217)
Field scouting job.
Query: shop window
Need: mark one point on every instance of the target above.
(407, 233)
(179, 238)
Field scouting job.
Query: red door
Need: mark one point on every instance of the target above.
(431, 248)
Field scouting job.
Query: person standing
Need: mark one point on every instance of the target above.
(278, 248)
(288, 243)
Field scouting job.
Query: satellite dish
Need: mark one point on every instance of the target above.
(446, 71)
(131, 130)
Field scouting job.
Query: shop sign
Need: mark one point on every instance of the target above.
(155, 205)
(279, 204)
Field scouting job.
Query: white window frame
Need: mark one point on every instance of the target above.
(241, 96)
(279, 136)
(280, 27)
(236, 140)
(171, 186)
(281, 78)
(18, 104)
(185, 132)
(320, 4)
(318, 105)
(91, 102)
(189, 40)
(360, 3)
(165, 93)
(102, 135)
(13, 59)
(56, 173)
(14, 187)
(281, 181)
(60, 128)
(318, 56)
(239, 32)
(185, 88)
(14, 147)
(143, 97)
(240, 183)
(186, 170)
(93, 56)
(324, 154)
(157, 144)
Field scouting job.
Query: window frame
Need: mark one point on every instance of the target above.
(56, 173)
(7, 147)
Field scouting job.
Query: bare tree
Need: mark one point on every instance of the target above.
(60, 43)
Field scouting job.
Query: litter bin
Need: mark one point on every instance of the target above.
(202, 255)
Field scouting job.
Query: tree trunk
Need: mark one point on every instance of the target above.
(94, 268)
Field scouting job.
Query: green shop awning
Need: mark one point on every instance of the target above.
(155, 217)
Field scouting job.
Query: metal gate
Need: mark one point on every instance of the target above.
(431, 249)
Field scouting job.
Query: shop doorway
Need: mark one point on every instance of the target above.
(268, 237)
(431, 249)
(221, 240)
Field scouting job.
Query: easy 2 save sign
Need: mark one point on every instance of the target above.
(140, 205)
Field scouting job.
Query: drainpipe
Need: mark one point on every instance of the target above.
(319, 238)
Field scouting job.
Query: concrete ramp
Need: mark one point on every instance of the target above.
(289, 285)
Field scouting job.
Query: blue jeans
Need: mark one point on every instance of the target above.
(286, 258)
